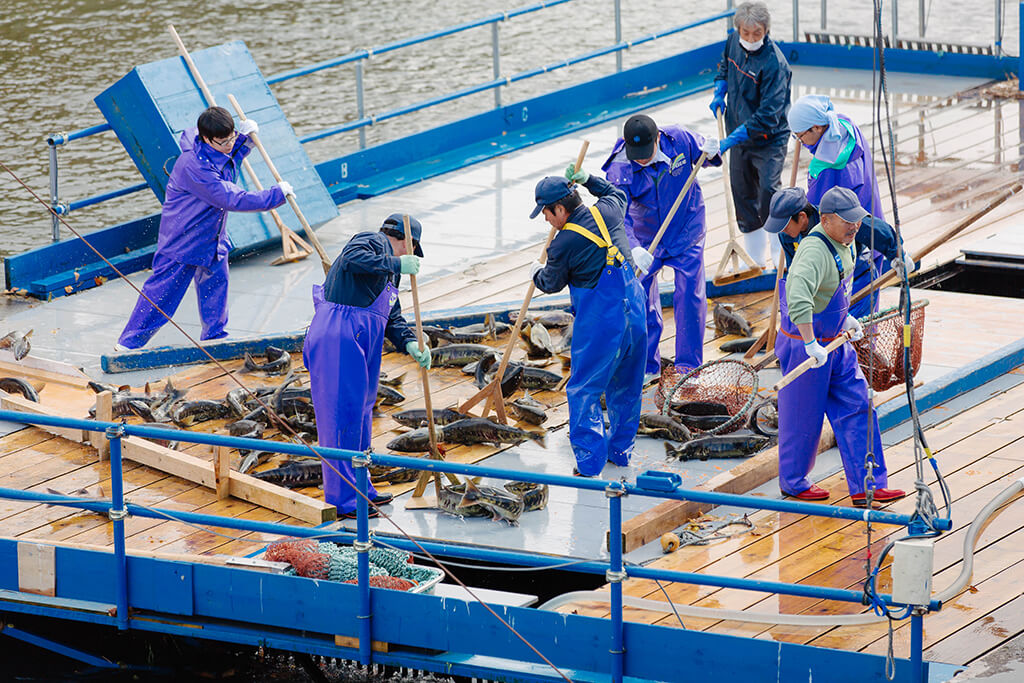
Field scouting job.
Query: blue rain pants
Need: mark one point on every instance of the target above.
(689, 305)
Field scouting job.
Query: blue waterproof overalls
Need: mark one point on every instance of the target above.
(608, 349)
(836, 389)
(342, 352)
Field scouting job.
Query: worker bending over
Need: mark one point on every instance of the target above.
(590, 253)
(355, 310)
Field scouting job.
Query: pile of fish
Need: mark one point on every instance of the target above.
(465, 431)
(508, 503)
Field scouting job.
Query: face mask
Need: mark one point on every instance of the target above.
(646, 163)
(751, 47)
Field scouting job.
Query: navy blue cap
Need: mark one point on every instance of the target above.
(640, 135)
(550, 190)
(843, 202)
(785, 204)
(395, 226)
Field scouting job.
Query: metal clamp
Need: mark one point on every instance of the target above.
(117, 515)
(55, 139)
(614, 577)
(362, 546)
(614, 490)
(61, 208)
(363, 460)
(115, 432)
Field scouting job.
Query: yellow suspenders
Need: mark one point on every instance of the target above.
(612, 252)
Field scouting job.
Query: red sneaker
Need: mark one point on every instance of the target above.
(881, 496)
(813, 493)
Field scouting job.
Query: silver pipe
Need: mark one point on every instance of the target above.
(920, 18)
(796, 20)
(824, 14)
(54, 201)
(496, 61)
(359, 103)
(618, 33)
(895, 21)
(997, 42)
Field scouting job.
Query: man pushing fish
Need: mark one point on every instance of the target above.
(355, 310)
(815, 300)
(590, 254)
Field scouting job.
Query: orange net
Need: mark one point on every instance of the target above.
(880, 352)
(301, 555)
(392, 582)
(714, 398)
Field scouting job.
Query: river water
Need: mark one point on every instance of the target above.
(55, 57)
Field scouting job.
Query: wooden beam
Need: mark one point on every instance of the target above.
(42, 369)
(20, 403)
(222, 472)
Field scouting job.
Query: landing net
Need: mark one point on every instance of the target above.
(725, 382)
(880, 352)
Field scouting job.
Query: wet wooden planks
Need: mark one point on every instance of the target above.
(979, 453)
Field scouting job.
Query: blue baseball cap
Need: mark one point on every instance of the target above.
(549, 190)
(395, 226)
(844, 203)
(785, 204)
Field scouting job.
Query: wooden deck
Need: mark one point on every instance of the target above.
(979, 453)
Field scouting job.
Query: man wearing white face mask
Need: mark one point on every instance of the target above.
(752, 89)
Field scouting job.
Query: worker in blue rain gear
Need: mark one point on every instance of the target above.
(841, 158)
(651, 165)
(815, 302)
(354, 311)
(590, 253)
(792, 216)
(752, 89)
(193, 243)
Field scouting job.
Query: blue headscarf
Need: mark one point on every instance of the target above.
(817, 110)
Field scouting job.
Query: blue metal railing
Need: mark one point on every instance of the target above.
(363, 121)
(614, 570)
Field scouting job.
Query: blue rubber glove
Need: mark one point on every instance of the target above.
(421, 357)
(718, 101)
(579, 177)
(410, 264)
(736, 137)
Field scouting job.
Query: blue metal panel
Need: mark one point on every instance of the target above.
(9, 565)
(386, 167)
(150, 106)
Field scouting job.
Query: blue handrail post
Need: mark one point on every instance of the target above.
(615, 577)
(117, 514)
(1020, 43)
(917, 645)
(362, 547)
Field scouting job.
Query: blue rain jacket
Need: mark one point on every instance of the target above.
(758, 90)
(200, 192)
(651, 191)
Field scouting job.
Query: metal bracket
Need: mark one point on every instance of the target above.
(614, 577)
(115, 432)
(363, 460)
(117, 515)
(614, 490)
(362, 546)
(61, 208)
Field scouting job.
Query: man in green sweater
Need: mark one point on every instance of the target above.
(815, 298)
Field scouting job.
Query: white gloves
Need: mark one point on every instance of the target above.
(815, 352)
(287, 188)
(535, 268)
(907, 262)
(853, 326)
(642, 258)
(247, 127)
(710, 147)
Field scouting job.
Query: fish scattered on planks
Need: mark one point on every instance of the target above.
(728, 321)
(660, 426)
(278, 362)
(722, 446)
(417, 417)
(194, 412)
(502, 504)
(481, 430)
(16, 385)
(528, 409)
(738, 345)
(294, 474)
(457, 355)
(17, 342)
(549, 319)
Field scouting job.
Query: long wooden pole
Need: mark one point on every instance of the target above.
(488, 391)
(767, 339)
(679, 200)
(809, 363)
(324, 260)
(288, 236)
(733, 249)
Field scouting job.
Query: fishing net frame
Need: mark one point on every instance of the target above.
(737, 396)
(880, 351)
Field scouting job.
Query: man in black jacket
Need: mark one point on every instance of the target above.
(752, 89)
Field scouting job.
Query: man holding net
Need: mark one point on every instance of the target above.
(793, 216)
(815, 310)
